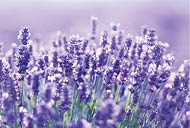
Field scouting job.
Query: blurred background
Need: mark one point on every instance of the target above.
(169, 17)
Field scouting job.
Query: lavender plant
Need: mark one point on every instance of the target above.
(115, 81)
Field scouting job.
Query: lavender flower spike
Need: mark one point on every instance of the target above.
(24, 36)
(94, 25)
(23, 51)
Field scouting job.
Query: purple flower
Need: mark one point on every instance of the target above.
(164, 76)
(186, 123)
(104, 39)
(36, 84)
(139, 50)
(80, 124)
(165, 93)
(7, 106)
(176, 85)
(108, 76)
(23, 60)
(1, 70)
(120, 37)
(151, 36)
(48, 94)
(41, 120)
(103, 57)
(41, 64)
(153, 115)
(45, 114)
(65, 44)
(113, 45)
(55, 59)
(66, 65)
(117, 67)
(46, 59)
(84, 93)
(85, 44)
(166, 112)
(94, 25)
(115, 27)
(135, 98)
(30, 122)
(144, 30)
(24, 36)
(23, 52)
(121, 53)
(133, 53)
(128, 42)
(75, 45)
(109, 114)
(65, 100)
(175, 126)
(87, 61)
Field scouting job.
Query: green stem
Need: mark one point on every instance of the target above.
(73, 102)
(117, 93)
(22, 91)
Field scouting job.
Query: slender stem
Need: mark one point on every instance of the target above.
(73, 102)
(22, 91)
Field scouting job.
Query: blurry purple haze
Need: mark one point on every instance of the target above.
(170, 19)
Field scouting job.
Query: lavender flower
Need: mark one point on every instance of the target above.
(24, 51)
(55, 59)
(80, 124)
(84, 93)
(65, 101)
(104, 39)
(24, 36)
(45, 114)
(1, 70)
(94, 25)
(36, 84)
(109, 114)
(103, 58)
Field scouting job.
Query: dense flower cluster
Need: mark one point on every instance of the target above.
(115, 81)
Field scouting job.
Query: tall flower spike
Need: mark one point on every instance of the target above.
(48, 94)
(55, 59)
(151, 36)
(144, 30)
(24, 36)
(36, 84)
(94, 25)
(65, 100)
(104, 39)
(84, 93)
(23, 51)
(65, 42)
(120, 37)
(113, 45)
(1, 70)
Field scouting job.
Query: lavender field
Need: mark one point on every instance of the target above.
(94, 64)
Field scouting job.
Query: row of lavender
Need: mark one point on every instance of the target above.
(120, 82)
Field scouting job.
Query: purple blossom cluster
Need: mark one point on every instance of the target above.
(115, 81)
